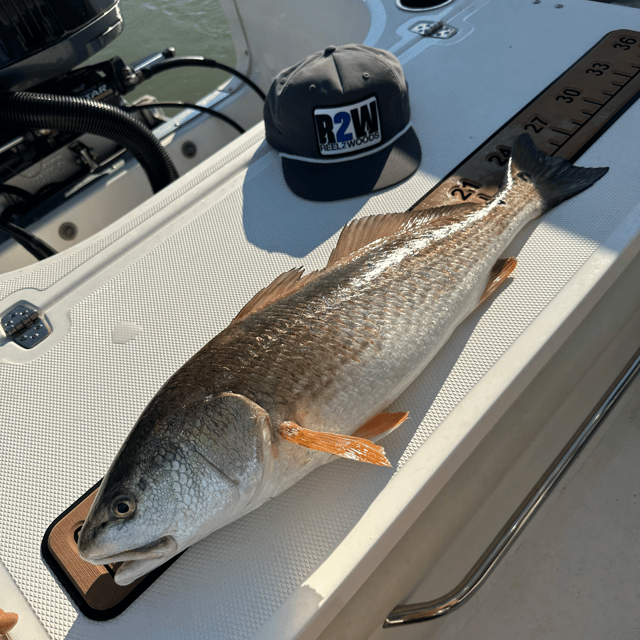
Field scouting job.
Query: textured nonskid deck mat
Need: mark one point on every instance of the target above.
(116, 339)
(586, 83)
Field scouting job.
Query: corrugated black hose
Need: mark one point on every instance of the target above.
(78, 115)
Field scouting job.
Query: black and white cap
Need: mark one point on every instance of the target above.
(340, 121)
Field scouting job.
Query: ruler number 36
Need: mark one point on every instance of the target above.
(624, 43)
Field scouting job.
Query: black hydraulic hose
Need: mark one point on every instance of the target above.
(197, 61)
(16, 191)
(179, 104)
(78, 115)
(36, 247)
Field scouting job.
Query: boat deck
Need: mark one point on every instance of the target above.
(131, 304)
(575, 570)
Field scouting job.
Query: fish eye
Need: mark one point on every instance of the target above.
(123, 506)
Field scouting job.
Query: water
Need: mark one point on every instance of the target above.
(193, 27)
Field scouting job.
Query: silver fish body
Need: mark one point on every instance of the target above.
(326, 352)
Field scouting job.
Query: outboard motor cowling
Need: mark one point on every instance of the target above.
(41, 39)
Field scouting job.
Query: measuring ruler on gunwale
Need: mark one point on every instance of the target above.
(563, 120)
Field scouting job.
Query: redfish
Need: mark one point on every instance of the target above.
(307, 368)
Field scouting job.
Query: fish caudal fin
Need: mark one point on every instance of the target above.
(555, 179)
(350, 447)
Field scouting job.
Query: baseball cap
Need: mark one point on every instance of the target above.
(340, 121)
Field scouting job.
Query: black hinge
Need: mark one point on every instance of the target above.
(438, 30)
(24, 325)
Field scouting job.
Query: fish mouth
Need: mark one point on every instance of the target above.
(164, 547)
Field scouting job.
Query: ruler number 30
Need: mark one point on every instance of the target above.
(568, 95)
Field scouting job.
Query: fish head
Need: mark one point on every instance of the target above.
(178, 477)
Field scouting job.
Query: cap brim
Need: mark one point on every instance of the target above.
(335, 181)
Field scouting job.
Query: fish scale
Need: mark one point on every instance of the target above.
(305, 370)
(408, 303)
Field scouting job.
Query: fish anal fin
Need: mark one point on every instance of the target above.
(381, 425)
(500, 271)
(280, 287)
(349, 447)
(363, 231)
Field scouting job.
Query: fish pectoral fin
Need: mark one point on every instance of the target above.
(500, 271)
(381, 425)
(350, 447)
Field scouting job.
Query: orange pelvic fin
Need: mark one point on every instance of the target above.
(381, 425)
(500, 271)
(8, 620)
(349, 447)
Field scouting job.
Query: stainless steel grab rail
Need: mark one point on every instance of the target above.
(421, 611)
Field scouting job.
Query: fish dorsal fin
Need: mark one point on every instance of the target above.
(355, 235)
(363, 231)
(446, 214)
(282, 285)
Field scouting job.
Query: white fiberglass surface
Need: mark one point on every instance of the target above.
(132, 320)
(564, 576)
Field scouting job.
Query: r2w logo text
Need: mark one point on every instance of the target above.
(348, 128)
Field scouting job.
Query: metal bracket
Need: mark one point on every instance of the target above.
(24, 326)
(434, 30)
(84, 155)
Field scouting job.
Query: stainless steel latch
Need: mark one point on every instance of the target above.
(434, 30)
(24, 325)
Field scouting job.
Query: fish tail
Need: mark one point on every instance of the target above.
(555, 179)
